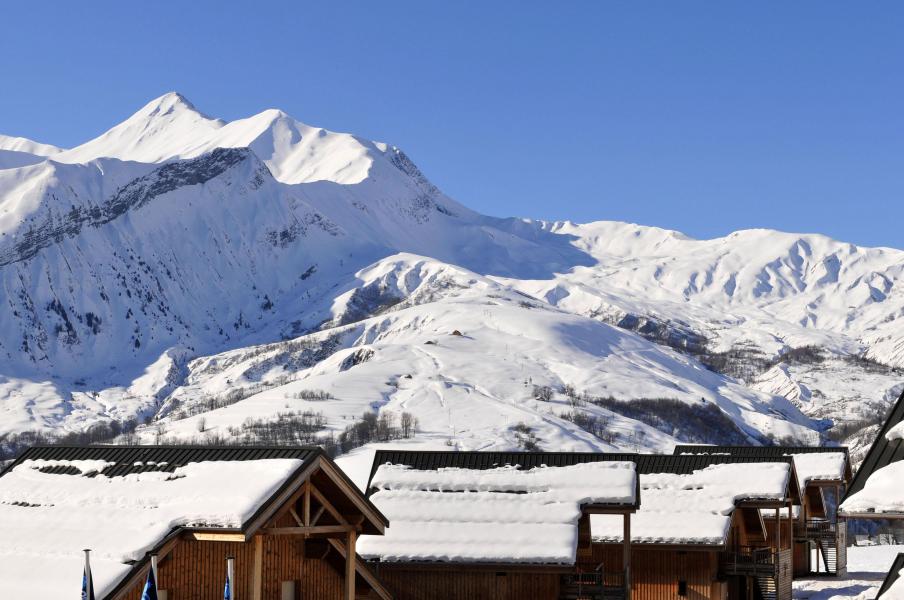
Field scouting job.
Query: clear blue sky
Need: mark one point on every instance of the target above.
(700, 116)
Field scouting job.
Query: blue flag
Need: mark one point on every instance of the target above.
(227, 593)
(230, 570)
(150, 587)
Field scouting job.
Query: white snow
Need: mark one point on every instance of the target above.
(47, 519)
(694, 508)
(502, 515)
(882, 492)
(819, 466)
(170, 127)
(867, 567)
(199, 288)
(896, 432)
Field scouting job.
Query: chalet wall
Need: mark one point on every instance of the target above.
(413, 583)
(196, 570)
(656, 572)
(787, 527)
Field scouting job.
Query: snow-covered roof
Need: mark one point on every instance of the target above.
(51, 509)
(695, 508)
(812, 463)
(819, 466)
(496, 515)
(881, 493)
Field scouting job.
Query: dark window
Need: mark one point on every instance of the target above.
(682, 588)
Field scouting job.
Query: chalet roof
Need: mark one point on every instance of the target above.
(645, 463)
(893, 586)
(123, 502)
(143, 459)
(866, 494)
(492, 508)
(689, 499)
(814, 464)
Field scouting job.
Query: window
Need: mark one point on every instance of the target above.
(287, 590)
(682, 587)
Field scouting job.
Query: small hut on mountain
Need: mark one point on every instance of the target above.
(288, 516)
(823, 472)
(467, 525)
(707, 528)
(877, 491)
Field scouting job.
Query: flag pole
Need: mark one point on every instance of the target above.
(87, 578)
(154, 571)
(230, 578)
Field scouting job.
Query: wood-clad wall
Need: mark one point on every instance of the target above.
(787, 526)
(407, 583)
(656, 572)
(196, 570)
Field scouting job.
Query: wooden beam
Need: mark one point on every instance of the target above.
(296, 518)
(778, 529)
(377, 585)
(377, 520)
(350, 557)
(326, 504)
(307, 504)
(207, 536)
(317, 515)
(313, 530)
(626, 541)
(257, 570)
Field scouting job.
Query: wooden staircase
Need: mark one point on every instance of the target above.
(769, 569)
(829, 541)
(766, 587)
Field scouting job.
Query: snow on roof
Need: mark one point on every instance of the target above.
(819, 466)
(880, 494)
(47, 519)
(896, 432)
(502, 515)
(694, 508)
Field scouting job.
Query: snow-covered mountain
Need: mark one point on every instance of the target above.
(18, 152)
(204, 275)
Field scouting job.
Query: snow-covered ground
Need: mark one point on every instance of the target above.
(178, 261)
(867, 567)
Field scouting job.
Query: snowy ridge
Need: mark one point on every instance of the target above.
(177, 259)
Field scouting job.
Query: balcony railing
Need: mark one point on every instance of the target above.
(747, 560)
(813, 529)
(594, 585)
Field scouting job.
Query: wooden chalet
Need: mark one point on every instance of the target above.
(288, 516)
(876, 491)
(708, 527)
(493, 525)
(823, 473)
(893, 586)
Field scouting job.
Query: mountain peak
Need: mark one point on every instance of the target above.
(155, 133)
(167, 104)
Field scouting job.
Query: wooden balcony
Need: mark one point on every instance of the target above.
(593, 585)
(748, 560)
(814, 529)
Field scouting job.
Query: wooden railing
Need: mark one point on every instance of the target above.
(747, 560)
(813, 529)
(595, 585)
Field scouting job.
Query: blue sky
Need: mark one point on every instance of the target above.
(700, 116)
